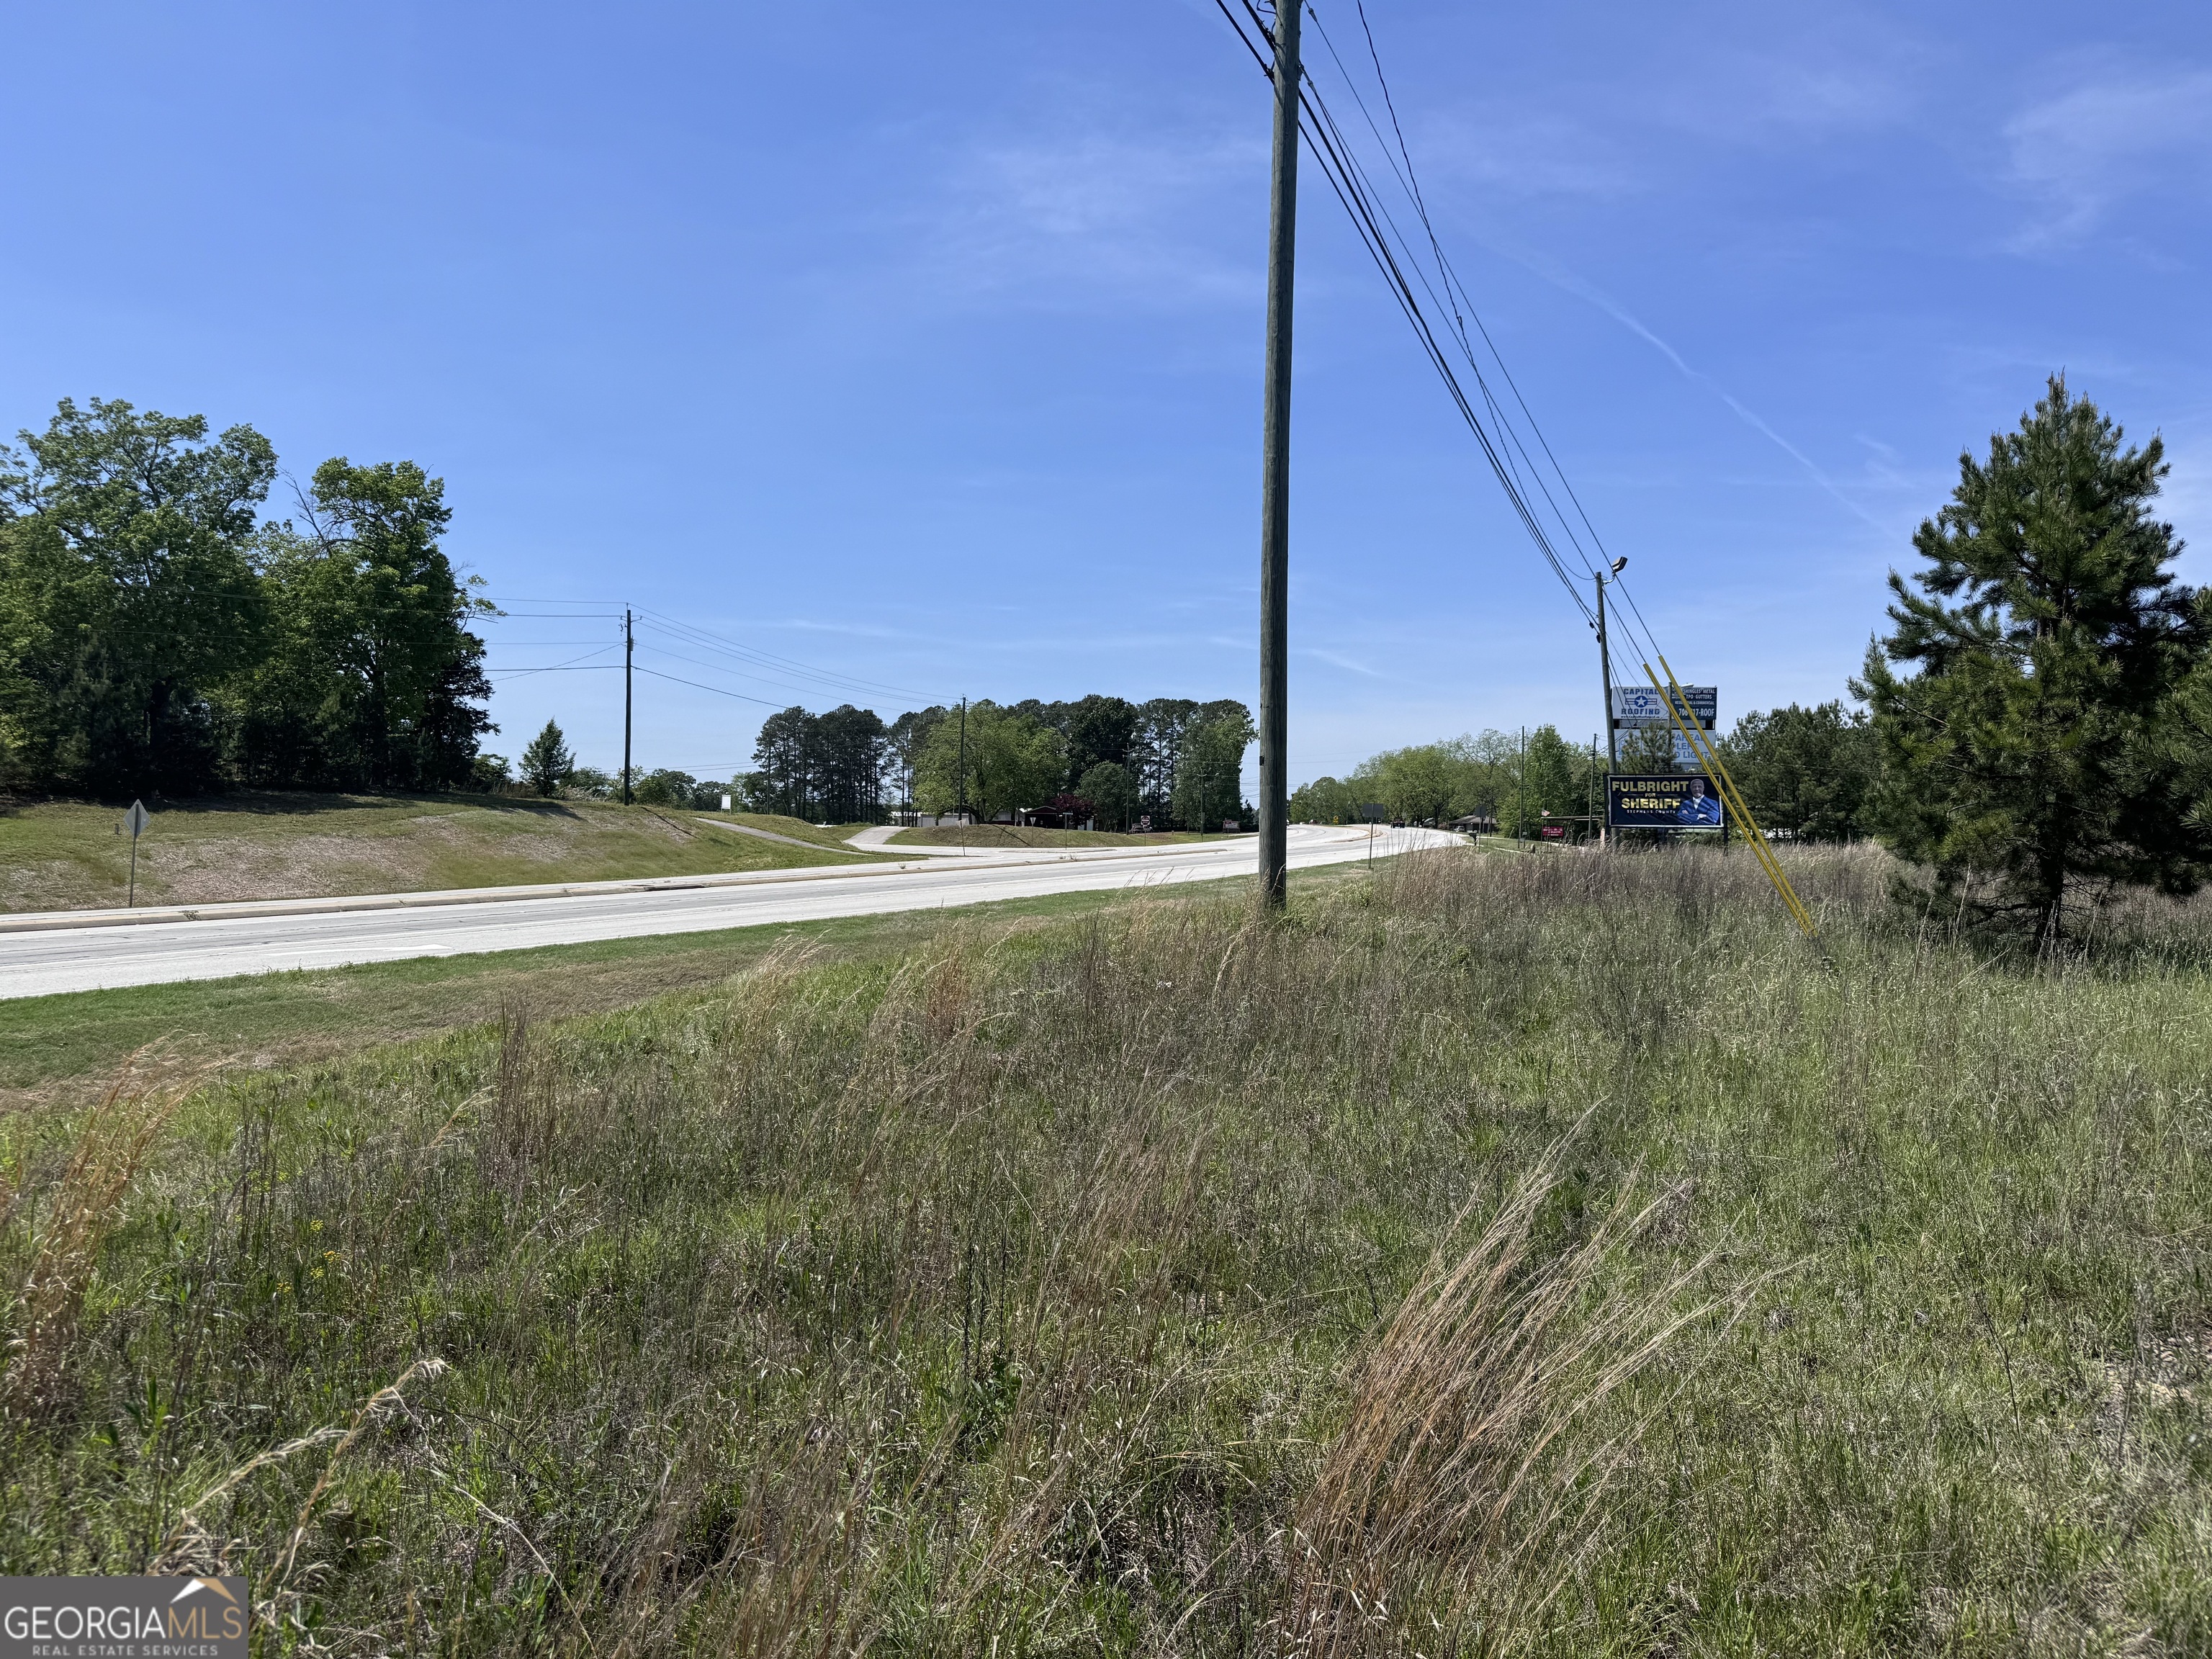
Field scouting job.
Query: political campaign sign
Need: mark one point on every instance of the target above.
(1661, 800)
(1635, 706)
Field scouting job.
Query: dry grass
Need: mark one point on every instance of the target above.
(1537, 1255)
(1453, 1488)
(68, 1229)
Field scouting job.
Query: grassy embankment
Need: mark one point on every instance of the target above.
(1156, 1282)
(67, 856)
(1008, 834)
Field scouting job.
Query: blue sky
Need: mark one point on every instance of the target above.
(920, 346)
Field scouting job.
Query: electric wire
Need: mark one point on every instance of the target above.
(782, 670)
(1339, 167)
(788, 680)
(1463, 309)
(1409, 183)
(697, 686)
(1509, 453)
(770, 659)
(553, 668)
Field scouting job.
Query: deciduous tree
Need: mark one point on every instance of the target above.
(1112, 793)
(126, 595)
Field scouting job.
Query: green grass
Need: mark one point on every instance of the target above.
(60, 1048)
(1502, 1255)
(1007, 835)
(68, 855)
(821, 835)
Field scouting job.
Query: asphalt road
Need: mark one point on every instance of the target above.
(42, 956)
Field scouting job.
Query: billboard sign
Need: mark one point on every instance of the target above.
(1635, 706)
(1661, 800)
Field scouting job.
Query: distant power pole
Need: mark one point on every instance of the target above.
(1275, 473)
(961, 807)
(629, 649)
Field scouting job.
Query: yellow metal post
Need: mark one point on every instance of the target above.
(1731, 798)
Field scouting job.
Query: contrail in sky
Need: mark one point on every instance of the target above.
(1605, 302)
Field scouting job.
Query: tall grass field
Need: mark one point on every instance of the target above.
(1540, 1256)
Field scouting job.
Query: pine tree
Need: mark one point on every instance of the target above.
(547, 764)
(2030, 757)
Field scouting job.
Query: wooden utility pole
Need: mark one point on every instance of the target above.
(1275, 473)
(629, 650)
(1605, 673)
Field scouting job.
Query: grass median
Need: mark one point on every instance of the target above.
(1545, 1255)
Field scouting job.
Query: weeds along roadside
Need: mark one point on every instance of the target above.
(1164, 1283)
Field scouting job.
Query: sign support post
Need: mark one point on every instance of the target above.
(136, 820)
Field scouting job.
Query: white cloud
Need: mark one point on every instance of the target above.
(1848, 81)
(1337, 660)
(2083, 152)
(1095, 209)
(1521, 153)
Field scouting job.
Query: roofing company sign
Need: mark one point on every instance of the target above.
(124, 1618)
(1635, 706)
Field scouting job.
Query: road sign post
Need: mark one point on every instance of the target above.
(135, 820)
(1374, 812)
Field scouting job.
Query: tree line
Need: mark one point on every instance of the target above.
(1808, 773)
(158, 635)
(2033, 735)
(1098, 758)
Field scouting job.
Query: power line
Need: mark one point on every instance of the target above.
(553, 668)
(1356, 193)
(697, 686)
(722, 643)
(780, 670)
(719, 668)
(1457, 301)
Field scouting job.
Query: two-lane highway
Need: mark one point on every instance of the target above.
(41, 955)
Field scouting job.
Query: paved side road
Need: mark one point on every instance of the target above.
(43, 960)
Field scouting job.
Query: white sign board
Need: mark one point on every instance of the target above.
(1635, 706)
(137, 818)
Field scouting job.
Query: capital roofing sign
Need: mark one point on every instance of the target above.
(1635, 707)
(123, 1618)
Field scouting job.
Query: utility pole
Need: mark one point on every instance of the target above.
(962, 805)
(1275, 472)
(1605, 664)
(629, 650)
(1592, 826)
